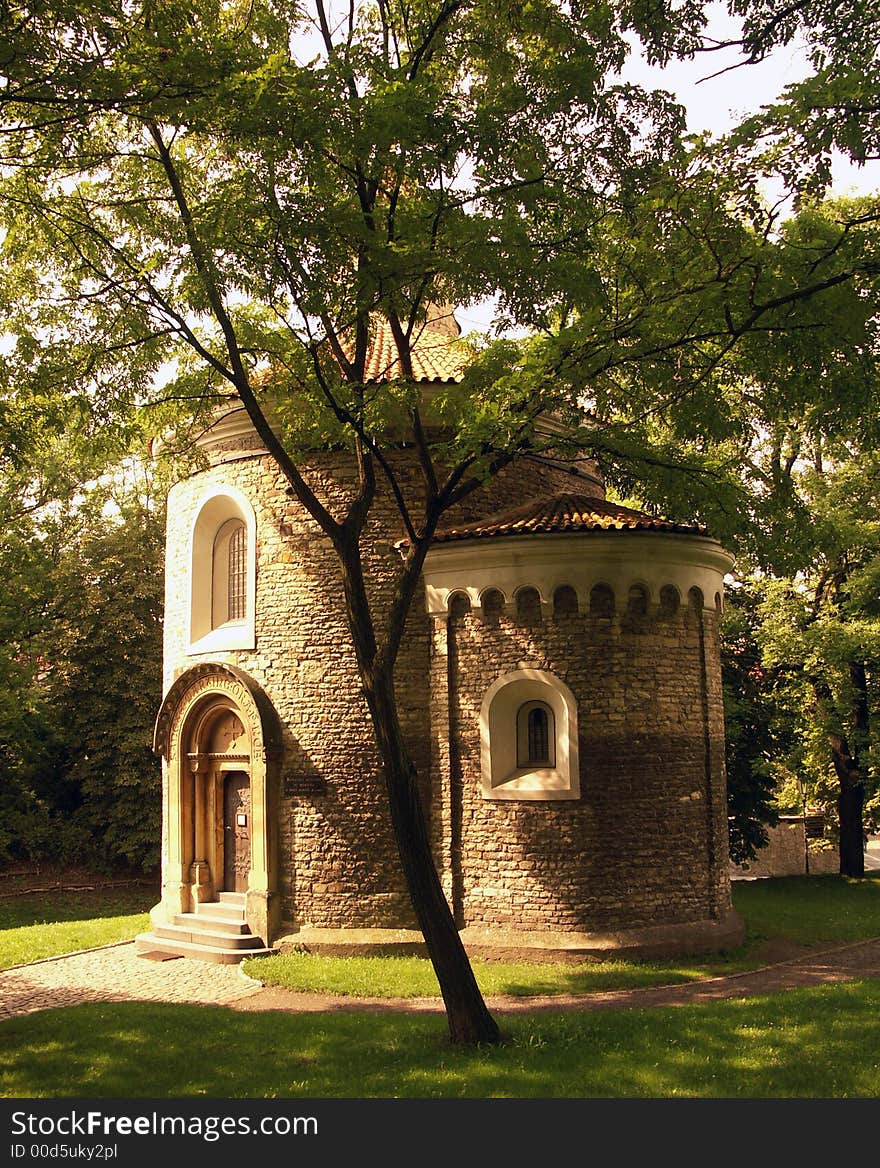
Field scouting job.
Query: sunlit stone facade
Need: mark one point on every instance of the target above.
(559, 688)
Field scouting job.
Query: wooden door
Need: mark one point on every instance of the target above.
(236, 832)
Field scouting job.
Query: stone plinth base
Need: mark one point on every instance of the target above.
(653, 941)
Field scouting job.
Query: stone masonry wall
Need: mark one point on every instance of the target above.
(783, 854)
(646, 842)
(338, 860)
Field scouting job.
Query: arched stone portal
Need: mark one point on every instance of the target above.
(215, 724)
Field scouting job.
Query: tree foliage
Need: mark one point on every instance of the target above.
(820, 631)
(806, 397)
(81, 661)
(757, 737)
(833, 108)
(212, 191)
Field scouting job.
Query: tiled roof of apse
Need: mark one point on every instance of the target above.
(564, 513)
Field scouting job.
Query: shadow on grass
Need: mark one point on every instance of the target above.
(799, 1043)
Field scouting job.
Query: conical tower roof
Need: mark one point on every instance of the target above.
(434, 353)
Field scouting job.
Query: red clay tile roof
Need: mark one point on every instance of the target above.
(564, 513)
(435, 354)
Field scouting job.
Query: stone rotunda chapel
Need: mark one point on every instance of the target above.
(559, 688)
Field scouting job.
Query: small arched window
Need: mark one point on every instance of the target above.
(535, 736)
(529, 738)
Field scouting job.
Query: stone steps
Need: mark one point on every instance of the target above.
(203, 920)
(203, 935)
(239, 898)
(216, 931)
(149, 943)
(220, 910)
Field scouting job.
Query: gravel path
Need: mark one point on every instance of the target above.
(116, 974)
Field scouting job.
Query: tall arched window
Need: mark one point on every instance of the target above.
(236, 574)
(222, 581)
(229, 574)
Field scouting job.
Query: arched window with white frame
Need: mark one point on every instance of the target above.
(535, 736)
(528, 738)
(223, 573)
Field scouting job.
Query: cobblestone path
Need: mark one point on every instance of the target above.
(116, 974)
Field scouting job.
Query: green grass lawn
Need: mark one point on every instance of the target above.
(798, 1043)
(413, 977)
(45, 924)
(810, 910)
(818, 1042)
(816, 910)
(32, 943)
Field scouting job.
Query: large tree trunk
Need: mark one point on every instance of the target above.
(852, 841)
(469, 1019)
(847, 766)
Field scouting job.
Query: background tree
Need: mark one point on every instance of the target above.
(793, 407)
(27, 749)
(820, 629)
(103, 679)
(805, 533)
(80, 653)
(757, 736)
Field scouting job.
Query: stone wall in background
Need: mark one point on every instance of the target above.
(784, 854)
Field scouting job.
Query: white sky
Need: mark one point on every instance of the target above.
(717, 103)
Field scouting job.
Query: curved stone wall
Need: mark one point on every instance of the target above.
(625, 620)
(645, 844)
(338, 864)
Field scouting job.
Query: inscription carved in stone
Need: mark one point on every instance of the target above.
(188, 690)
